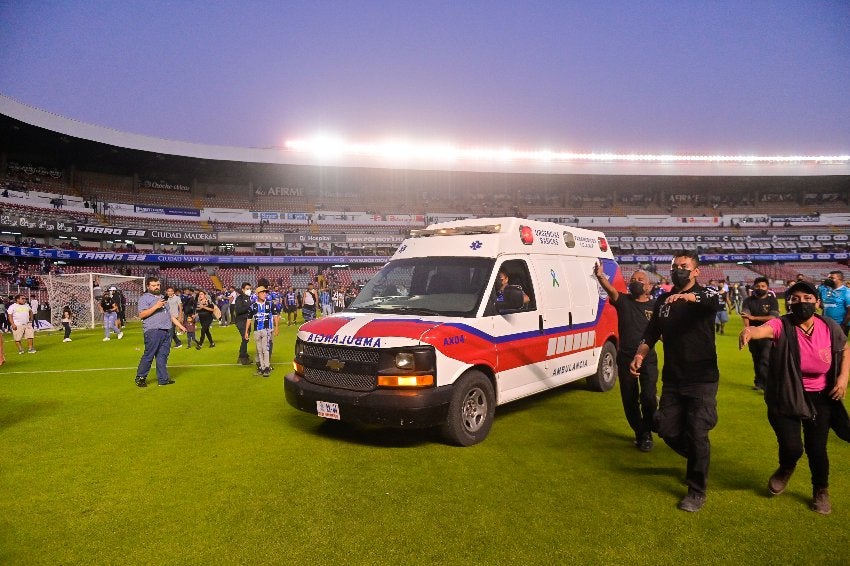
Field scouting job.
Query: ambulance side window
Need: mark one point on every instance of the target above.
(517, 271)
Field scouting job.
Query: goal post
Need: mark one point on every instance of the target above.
(81, 292)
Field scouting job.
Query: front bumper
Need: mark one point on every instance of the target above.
(415, 408)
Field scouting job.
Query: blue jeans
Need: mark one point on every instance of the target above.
(109, 319)
(157, 345)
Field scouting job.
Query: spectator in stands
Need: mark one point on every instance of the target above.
(722, 315)
(309, 303)
(687, 411)
(191, 324)
(223, 302)
(121, 302)
(325, 302)
(231, 297)
(835, 298)
(109, 310)
(338, 299)
(175, 306)
(205, 308)
(637, 393)
(156, 324)
(736, 297)
(4, 321)
(242, 315)
(188, 299)
(290, 305)
(66, 323)
(20, 317)
(807, 381)
(757, 309)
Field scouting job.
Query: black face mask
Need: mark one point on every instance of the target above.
(802, 311)
(760, 292)
(636, 289)
(680, 277)
(829, 283)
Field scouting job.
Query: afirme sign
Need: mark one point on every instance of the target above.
(280, 192)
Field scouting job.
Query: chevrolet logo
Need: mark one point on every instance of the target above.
(335, 364)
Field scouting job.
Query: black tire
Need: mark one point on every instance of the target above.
(471, 410)
(606, 373)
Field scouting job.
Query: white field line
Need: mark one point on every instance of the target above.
(117, 369)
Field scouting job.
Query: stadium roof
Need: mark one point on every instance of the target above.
(474, 160)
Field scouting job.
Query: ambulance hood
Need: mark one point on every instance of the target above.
(368, 330)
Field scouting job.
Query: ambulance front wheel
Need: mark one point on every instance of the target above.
(606, 374)
(471, 410)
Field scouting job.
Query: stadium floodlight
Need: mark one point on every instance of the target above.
(326, 147)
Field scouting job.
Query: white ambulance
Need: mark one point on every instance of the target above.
(466, 315)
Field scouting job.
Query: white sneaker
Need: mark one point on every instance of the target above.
(106, 339)
(120, 335)
(66, 340)
(30, 351)
(178, 346)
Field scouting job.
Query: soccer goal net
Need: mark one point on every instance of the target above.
(82, 292)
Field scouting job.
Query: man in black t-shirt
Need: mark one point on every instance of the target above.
(638, 393)
(684, 319)
(757, 309)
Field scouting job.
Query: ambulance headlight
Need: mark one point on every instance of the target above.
(407, 367)
(405, 360)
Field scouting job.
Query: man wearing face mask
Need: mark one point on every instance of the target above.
(757, 309)
(638, 393)
(684, 320)
(835, 298)
(242, 314)
(807, 380)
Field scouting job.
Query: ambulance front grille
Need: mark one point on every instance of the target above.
(351, 381)
(321, 351)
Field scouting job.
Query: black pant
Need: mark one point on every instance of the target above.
(685, 415)
(67, 327)
(638, 394)
(206, 321)
(241, 325)
(174, 337)
(815, 435)
(760, 351)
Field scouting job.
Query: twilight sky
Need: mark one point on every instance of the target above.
(729, 77)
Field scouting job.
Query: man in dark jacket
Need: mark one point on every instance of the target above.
(687, 411)
(242, 314)
(807, 381)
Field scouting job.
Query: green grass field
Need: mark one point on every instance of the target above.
(217, 469)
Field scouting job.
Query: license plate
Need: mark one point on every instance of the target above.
(327, 410)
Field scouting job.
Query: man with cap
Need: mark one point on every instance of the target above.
(264, 315)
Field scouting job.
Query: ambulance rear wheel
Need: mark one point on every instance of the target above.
(471, 410)
(606, 374)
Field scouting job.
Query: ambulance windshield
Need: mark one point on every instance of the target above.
(440, 286)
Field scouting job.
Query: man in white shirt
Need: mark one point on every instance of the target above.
(20, 318)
